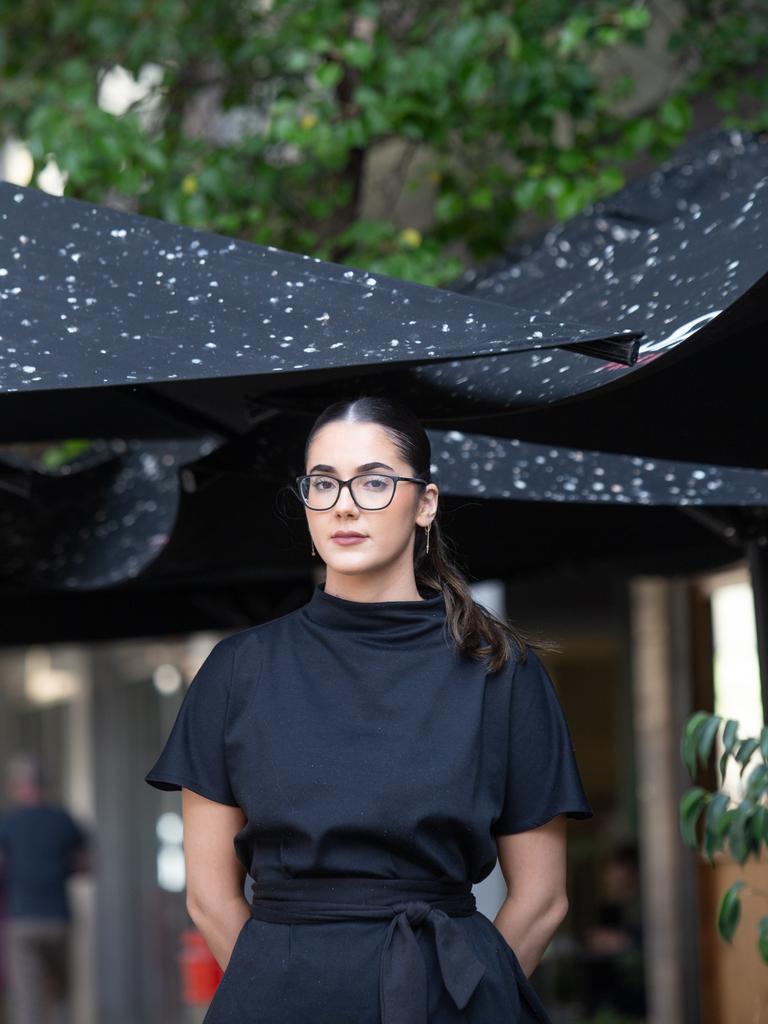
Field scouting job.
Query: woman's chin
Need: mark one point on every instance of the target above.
(348, 562)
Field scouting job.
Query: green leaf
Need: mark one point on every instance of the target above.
(635, 18)
(706, 738)
(760, 824)
(739, 834)
(610, 179)
(641, 133)
(569, 204)
(764, 742)
(448, 205)
(730, 911)
(730, 734)
(747, 747)
(513, 45)
(716, 821)
(555, 185)
(329, 74)
(608, 35)
(573, 33)
(689, 739)
(357, 53)
(155, 159)
(526, 194)
(571, 160)
(481, 198)
(757, 782)
(691, 805)
(675, 113)
(762, 937)
(297, 60)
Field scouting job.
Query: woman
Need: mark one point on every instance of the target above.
(366, 758)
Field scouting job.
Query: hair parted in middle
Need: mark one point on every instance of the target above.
(476, 631)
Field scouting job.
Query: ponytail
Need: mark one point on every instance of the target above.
(475, 630)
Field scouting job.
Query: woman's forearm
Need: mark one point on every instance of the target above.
(220, 926)
(528, 926)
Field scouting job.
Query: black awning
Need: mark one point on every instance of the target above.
(116, 324)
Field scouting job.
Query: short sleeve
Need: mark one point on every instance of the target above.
(542, 777)
(194, 753)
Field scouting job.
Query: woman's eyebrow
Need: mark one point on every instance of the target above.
(321, 468)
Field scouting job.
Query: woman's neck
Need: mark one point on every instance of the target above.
(372, 586)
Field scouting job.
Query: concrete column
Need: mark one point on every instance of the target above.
(79, 797)
(657, 745)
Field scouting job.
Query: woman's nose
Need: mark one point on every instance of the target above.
(345, 499)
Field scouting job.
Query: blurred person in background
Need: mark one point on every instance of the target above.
(40, 846)
(614, 940)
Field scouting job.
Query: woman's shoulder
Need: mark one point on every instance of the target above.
(269, 629)
(525, 670)
(521, 657)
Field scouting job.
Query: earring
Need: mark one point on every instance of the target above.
(427, 528)
(312, 544)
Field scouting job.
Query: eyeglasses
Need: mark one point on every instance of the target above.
(370, 491)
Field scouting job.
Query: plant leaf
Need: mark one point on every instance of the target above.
(707, 737)
(689, 739)
(730, 911)
(691, 806)
(762, 937)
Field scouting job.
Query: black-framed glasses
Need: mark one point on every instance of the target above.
(370, 491)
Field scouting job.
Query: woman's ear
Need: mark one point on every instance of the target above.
(427, 504)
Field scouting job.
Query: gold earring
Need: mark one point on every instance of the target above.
(427, 528)
(312, 543)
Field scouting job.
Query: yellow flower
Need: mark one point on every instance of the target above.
(189, 185)
(309, 121)
(410, 237)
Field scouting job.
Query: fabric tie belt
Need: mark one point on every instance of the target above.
(409, 903)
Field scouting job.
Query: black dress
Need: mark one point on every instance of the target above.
(361, 745)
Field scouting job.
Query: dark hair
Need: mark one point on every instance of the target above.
(476, 631)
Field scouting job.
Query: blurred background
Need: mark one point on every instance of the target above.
(422, 141)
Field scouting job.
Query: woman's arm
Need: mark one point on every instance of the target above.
(533, 866)
(215, 877)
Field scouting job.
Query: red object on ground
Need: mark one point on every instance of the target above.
(200, 972)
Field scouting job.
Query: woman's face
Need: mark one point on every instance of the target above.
(343, 449)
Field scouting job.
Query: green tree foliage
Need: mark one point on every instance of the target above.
(504, 98)
(710, 820)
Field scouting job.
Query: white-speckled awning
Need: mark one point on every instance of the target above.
(118, 515)
(95, 297)
(682, 253)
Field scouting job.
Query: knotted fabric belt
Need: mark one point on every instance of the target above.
(409, 903)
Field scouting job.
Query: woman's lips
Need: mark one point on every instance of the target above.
(346, 541)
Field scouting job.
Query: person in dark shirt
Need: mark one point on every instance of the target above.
(40, 846)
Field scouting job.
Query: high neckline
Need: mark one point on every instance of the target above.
(375, 616)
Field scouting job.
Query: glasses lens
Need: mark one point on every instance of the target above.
(319, 491)
(373, 491)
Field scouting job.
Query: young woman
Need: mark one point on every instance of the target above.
(366, 759)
